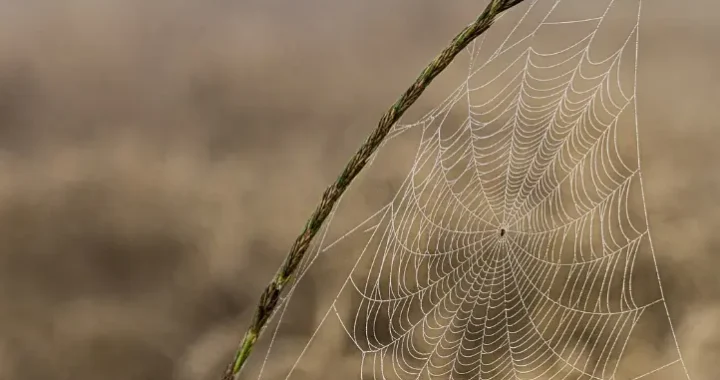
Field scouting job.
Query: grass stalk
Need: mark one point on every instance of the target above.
(271, 295)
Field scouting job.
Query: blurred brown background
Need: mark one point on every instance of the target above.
(158, 157)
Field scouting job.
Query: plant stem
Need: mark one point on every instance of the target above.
(271, 295)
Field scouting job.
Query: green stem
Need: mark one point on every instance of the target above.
(271, 295)
(245, 350)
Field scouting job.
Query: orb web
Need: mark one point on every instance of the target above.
(512, 248)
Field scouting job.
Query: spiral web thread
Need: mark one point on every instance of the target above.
(511, 249)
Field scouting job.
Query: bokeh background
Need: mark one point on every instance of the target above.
(158, 157)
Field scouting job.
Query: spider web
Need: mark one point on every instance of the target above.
(514, 247)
